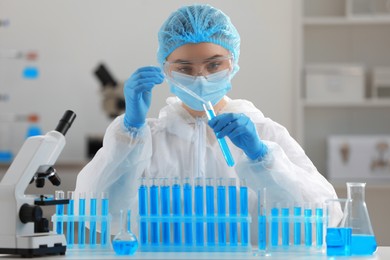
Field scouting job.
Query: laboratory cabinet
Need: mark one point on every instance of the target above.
(343, 34)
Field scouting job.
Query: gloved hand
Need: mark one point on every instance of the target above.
(241, 131)
(138, 96)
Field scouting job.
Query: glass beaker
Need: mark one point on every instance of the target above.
(363, 240)
(338, 231)
(125, 242)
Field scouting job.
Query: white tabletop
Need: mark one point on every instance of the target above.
(383, 253)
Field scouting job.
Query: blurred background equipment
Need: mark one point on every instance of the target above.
(113, 99)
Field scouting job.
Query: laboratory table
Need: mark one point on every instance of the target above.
(383, 253)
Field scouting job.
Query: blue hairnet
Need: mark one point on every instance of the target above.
(196, 24)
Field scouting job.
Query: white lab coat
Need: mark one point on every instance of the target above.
(178, 145)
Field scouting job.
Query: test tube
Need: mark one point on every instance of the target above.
(261, 199)
(104, 224)
(210, 211)
(143, 210)
(221, 202)
(297, 225)
(59, 195)
(274, 226)
(307, 212)
(81, 234)
(187, 190)
(244, 212)
(70, 225)
(154, 229)
(208, 107)
(92, 223)
(165, 208)
(199, 230)
(319, 226)
(176, 210)
(285, 226)
(233, 211)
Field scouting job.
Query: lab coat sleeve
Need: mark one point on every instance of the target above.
(116, 168)
(286, 172)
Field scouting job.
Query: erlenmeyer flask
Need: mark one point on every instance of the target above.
(363, 239)
(125, 242)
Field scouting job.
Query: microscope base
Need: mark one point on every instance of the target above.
(30, 246)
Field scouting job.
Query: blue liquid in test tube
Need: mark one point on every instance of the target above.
(210, 211)
(199, 230)
(308, 226)
(244, 212)
(176, 210)
(297, 225)
(285, 226)
(104, 240)
(319, 227)
(81, 238)
(60, 195)
(221, 203)
(222, 142)
(262, 232)
(143, 210)
(92, 224)
(154, 226)
(165, 208)
(274, 226)
(187, 190)
(233, 211)
(70, 226)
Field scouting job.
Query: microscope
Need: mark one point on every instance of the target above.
(23, 230)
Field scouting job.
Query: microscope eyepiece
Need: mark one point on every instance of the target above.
(66, 122)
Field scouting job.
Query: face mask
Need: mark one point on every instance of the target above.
(213, 89)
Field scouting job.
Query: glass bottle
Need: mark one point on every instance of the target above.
(125, 242)
(363, 239)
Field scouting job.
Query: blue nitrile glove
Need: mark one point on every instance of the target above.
(138, 94)
(241, 131)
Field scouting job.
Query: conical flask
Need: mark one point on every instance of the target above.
(125, 242)
(363, 239)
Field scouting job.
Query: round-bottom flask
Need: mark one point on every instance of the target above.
(125, 242)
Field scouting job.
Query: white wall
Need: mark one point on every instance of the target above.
(72, 36)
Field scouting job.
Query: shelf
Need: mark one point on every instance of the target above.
(365, 103)
(357, 20)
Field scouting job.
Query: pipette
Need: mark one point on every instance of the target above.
(210, 114)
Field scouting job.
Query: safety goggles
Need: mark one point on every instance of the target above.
(208, 68)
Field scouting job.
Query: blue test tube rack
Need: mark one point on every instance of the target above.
(290, 227)
(71, 224)
(191, 221)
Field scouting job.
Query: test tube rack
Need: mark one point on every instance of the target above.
(74, 227)
(185, 227)
(291, 228)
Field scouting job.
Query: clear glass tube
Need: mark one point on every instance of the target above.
(143, 210)
(285, 225)
(104, 223)
(165, 210)
(233, 211)
(92, 223)
(307, 213)
(199, 202)
(210, 211)
(187, 190)
(319, 226)
(70, 224)
(208, 107)
(221, 204)
(274, 226)
(59, 195)
(244, 212)
(176, 210)
(154, 226)
(262, 232)
(81, 233)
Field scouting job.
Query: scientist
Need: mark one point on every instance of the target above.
(199, 49)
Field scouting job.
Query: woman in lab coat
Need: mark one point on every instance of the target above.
(198, 50)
